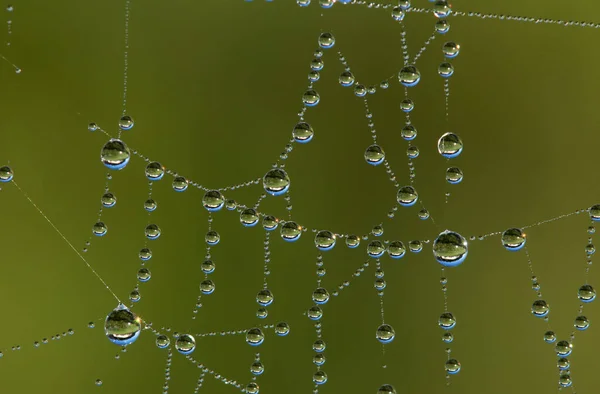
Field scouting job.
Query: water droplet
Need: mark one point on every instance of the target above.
(320, 296)
(326, 40)
(92, 127)
(126, 122)
(213, 201)
(252, 388)
(303, 132)
(282, 329)
(144, 274)
(407, 105)
(581, 323)
(264, 297)
(586, 293)
(563, 363)
(257, 368)
(145, 254)
(207, 286)
(540, 308)
(454, 175)
(207, 266)
(423, 214)
(563, 348)
(595, 213)
(450, 249)
(108, 200)
(319, 346)
(185, 344)
(409, 76)
(386, 389)
(452, 366)
(398, 14)
(445, 70)
(375, 249)
(441, 9)
(447, 321)
(99, 229)
(180, 184)
(407, 196)
(291, 231)
(162, 341)
(408, 132)
(134, 296)
(442, 26)
(564, 379)
(150, 205)
(230, 205)
(310, 98)
(154, 171)
(374, 155)
(319, 359)
(448, 337)
(212, 237)
(115, 154)
(276, 182)
(314, 313)
(513, 239)
(98, 382)
(320, 377)
(352, 241)
(254, 337)
(152, 231)
(122, 327)
(450, 145)
(346, 79)
(396, 249)
(249, 217)
(549, 337)
(451, 49)
(385, 333)
(325, 240)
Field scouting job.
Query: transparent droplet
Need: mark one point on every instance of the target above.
(396, 249)
(270, 223)
(441, 9)
(320, 377)
(385, 333)
(152, 231)
(398, 14)
(445, 70)
(374, 155)
(115, 154)
(581, 323)
(386, 389)
(450, 249)
(407, 196)
(325, 240)
(145, 254)
(150, 205)
(377, 230)
(276, 182)
(108, 200)
(317, 64)
(452, 366)
(360, 90)
(282, 329)
(252, 388)
(144, 274)
(454, 175)
(352, 241)
(264, 297)
(375, 249)
(303, 3)
(407, 105)
(423, 214)
(98, 382)
(315, 313)
(213, 201)
(448, 337)
(319, 346)
(230, 205)
(409, 76)
(326, 40)
(185, 344)
(408, 132)
(303, 132)
(6, 174)
(207, 286)
(540, 308)
(447, 321)
(134, 296)
(450, 145)
(595, 213)
(346, 79)
(99, 229)
(451, 49)
(162, 341)
(549, 337)
(291, 231)
(563, 363)
(415, 246)
(586, 293)
(212, 237)
(442, 26)
(207, 266)
(310, 98)
(92, 127)
(563, 348)
(126, 122)
(257, 368)
(564, 379)
(154, 171)
(249, 217)
(513, 239)
(122, 327)
(380, 284)
(180, 184)
(320, 296)
(319, 359)
(254, 337)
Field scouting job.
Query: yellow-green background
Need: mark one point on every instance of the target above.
(214, 88)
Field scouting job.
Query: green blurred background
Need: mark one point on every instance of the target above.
(214, 88)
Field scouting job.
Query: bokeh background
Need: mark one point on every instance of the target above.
(214, 88)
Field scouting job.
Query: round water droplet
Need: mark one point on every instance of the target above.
(257, 368)
(303, 3)
(377, 230)
(595, 213)
(282, 329)
(352, 241)
(122, 327)
(385, 333)
(441, 9)
(213, 201)
(407, 196)
(326, 40)
(207, 266)
(581, 323)
(270, 223)
(115, 154)
(264, 297)
(276, 182)
(108, 200)
(409, 76)
(212, 237)
(375, 249)
(154, 171)
(291, 231)
(303, 132)
(254, 337)
(442, 26)
(319, 346)
(252, 388)
(360, 91)
(319, 359)
(586, 293)
(325, 240)
(408, 132)
(452, 366)
(450, 145)
(145, 254)
(135, 296)
(346, 79)
(6, 174)
(448, 337)
(320, 377)
(150, 205)
(374, 155)
(563, 348)
(447, 321)
(451, 49)
(99, 229)
(231, 205)
(98, 382)
(423, 214)
(445, 70)
(396, 249)
(144, 274)
(310, 98)
(415, 246)
(407, 105)
(563, 363)
(152, 231)
(185, 344)
(398, 14)
(513, 239)
(180, 184)
(92, 127)
(315, 313)
(540, 308)
(549, 337)
(317, 64)
(162, 341)
(454, 175)
(386, 389)
(207, 287)
(450, 249)
(126, 122)
(320, 296)
(564, 379)
(249, 217)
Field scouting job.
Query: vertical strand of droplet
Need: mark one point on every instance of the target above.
(199, 382)
(447, 322)
(207, 286)
(167, 371)
(320, 296)
(125, 62)
(380, 285)
(9, 10)
(256, 369)
(264, 297)
(108, 200)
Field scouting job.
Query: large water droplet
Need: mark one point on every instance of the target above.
(450, 249)
(115, 154)
(122, 327)
(276, 182)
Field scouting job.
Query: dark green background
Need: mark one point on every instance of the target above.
(214, 88)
